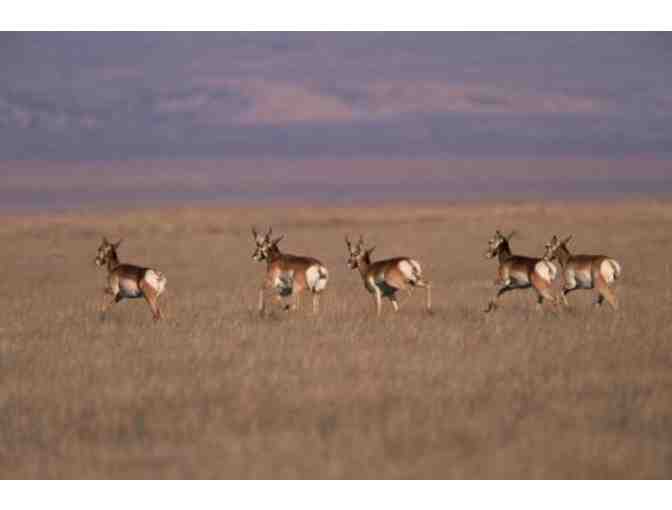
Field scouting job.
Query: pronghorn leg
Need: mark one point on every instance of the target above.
(566, 291)
(606, 292)
(428, 292)
(599, 300)
(493, 304)
(395, 303)
(546, 294)
(293, 305)
(543, 288)
(379, 303)
(108, 300)
(316, 302)
(152, 300)
(260, 305)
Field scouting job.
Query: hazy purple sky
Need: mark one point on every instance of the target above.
(306, 95)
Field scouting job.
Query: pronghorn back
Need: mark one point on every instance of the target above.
(288, 274)
(384, 278)
(128, 281)
(584, 271)
(520, 272)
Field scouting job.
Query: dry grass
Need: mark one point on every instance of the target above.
(215, 391)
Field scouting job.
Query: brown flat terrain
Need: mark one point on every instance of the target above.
(215, 391)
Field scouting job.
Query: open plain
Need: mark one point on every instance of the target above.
(215, 391)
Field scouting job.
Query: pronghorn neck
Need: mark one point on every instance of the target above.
(274, 254)
(112, 261)
(564, 255)
(504, 251)
(363, 265)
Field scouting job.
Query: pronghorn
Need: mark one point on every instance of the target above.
(518, 272)
(288, 275)
(385, 277)
(128, 281)
(585, 271)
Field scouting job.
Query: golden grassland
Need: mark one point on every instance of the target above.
(215, 391)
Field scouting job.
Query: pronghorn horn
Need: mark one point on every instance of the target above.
(370, 250)
(254, 232)
(277, 240)
(105, 241)
(116, 245)
(513, 233)
(568, 238)
(270, 231)
(361, 240)
(347, 240)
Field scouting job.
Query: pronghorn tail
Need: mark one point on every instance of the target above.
(617, 268)
(610, 270)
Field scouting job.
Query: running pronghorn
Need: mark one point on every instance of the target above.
(385, 277)
(585, 271)
(129, 281)
(518, 272)
(288, 275)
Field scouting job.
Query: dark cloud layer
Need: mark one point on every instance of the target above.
(153, 95)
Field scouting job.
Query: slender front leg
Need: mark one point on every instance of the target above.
(379, 303)
(316, 303)
(260, 305)
(566, 291)
(428, 290)
(493, 304)
(109, 298)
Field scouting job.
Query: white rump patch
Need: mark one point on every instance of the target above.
(156, 280)
(410, 269)
(316, 278)
(610, 270)
(546, 270)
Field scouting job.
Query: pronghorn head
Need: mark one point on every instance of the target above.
(265, 246)
(357, 253)
(554, 245)
(107, 251)
(495, 244)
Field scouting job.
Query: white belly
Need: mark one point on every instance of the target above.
(578, 279)
(518, 280)
(129, 289)
(284, 283)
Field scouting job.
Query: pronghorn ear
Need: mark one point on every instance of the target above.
(105, 241)
(116, 245)
(254, 233)
(568, 238)
(360, 243)
(370, 250)
(554, 240)
(277, 240)
(269, 233)
(513, 233)
(347, 241)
